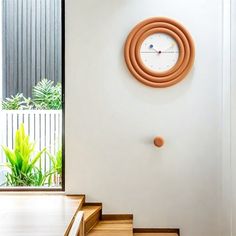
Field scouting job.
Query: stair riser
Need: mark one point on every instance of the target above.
(92, 222)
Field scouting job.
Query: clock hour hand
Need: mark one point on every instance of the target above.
(157, 51)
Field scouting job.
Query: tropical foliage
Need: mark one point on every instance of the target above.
(45, 96)
(56, 164)
(13, 103)
(23, 164)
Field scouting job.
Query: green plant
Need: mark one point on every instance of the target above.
(13, 103)
(56, 164)
(27, 104)
(56, 161)
(39, 178)
(21, 162)
(46, 96)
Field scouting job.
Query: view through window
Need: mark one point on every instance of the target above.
(31, 117)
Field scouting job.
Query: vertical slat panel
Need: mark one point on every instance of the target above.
(56, 33)
(38, 40)
(37, 131)
(4, 49)
(3, 130)
(47, 139)
(31, 44)
(19, 47)
(52, 135)
(21, 120)
(10, 46)
(59, 41)
(13, 127)
(42, 139)
(56, 132)
(24, 46)
(32, 129)
(14, 43)
(26, 124)
(42, 40)
(59, 129)
(47, 39)
(9, 130)
(52, 41)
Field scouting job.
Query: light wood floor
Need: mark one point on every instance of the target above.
(113, 228)
(36, 215)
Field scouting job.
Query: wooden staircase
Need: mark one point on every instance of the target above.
(94, 223)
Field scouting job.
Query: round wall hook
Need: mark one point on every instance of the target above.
(158, 141)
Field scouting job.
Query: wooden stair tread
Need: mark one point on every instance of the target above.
(155, 234)
(37, 214)
(113, 228)
(90, 211)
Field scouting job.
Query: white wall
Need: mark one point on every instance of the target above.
(226, 190)
(111, 119)
(233, 117)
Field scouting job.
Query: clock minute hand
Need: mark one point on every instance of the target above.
(171, 46)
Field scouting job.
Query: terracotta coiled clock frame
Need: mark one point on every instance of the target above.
(148, 76)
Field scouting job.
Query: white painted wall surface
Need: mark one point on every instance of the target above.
(226, 207)
(111, 119)
(233, 115)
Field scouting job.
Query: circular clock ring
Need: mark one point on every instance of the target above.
(152, 75)
(174, 32)
(159, 52)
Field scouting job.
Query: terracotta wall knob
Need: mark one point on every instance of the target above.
(159, 142)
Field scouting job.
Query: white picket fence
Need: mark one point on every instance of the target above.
(43, 126)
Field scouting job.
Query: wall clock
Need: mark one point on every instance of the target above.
(159, 52)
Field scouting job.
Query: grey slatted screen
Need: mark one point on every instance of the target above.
(32, 43)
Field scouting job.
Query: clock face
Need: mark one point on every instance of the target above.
(159, 52)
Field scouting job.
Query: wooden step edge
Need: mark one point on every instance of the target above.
(156, 230)
(117, 217)
(114, 224)
(81, 203)
(74, 196)
(93, 218)
(98, 204)
(97, 210)
(77, 227)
